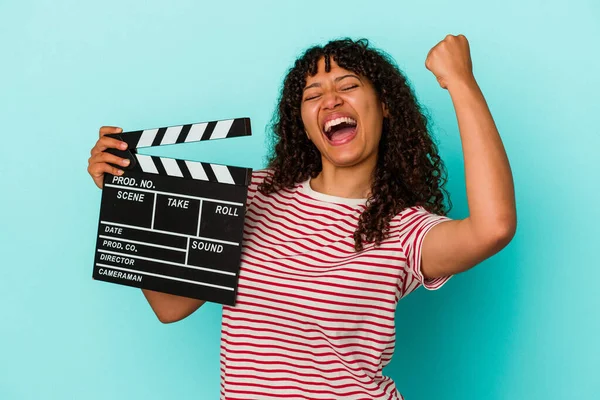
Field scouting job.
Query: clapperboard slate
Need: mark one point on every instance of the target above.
(171, 225)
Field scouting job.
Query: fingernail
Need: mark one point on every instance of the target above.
(125, 162)
(123, 145)
(120, 172)
(119, 130)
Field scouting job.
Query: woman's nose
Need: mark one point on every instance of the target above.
(331, 100)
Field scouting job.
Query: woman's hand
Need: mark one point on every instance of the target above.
(98, 163)
(450, 61)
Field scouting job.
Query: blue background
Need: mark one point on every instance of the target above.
(522, 325)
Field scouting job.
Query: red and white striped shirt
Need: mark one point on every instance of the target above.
(313, 318)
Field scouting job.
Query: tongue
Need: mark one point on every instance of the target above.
(342, 134)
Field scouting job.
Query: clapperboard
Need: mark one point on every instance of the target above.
(171, 225)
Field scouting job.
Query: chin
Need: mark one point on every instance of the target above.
(346, 159)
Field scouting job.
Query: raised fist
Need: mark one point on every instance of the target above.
(450, 61)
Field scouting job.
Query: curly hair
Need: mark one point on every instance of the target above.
(409, 171)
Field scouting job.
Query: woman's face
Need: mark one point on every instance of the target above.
(342, 116)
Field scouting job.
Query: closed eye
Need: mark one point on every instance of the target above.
(314, 96)
(349, 87)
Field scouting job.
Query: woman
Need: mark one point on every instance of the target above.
(348, 218)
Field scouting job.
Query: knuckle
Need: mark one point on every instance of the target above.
(108, 142)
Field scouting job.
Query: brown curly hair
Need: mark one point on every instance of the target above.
(409, 171)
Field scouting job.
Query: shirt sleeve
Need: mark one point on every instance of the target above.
(258, 177)
(416, 222)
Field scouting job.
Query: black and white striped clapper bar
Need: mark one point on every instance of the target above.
(170, 225)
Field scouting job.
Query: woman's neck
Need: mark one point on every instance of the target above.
(348, 182)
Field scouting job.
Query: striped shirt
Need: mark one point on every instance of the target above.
(314, 319)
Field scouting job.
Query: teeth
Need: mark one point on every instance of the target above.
(338, 121)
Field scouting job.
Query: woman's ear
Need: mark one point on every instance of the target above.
(386, 112)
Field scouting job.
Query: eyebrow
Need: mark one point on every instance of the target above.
(336, 80)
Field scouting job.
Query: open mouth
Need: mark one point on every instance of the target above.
(340, 130)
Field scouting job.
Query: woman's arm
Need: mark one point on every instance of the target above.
(455, 246)
(170, 308)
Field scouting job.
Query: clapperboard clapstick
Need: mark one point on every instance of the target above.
(171, 225)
